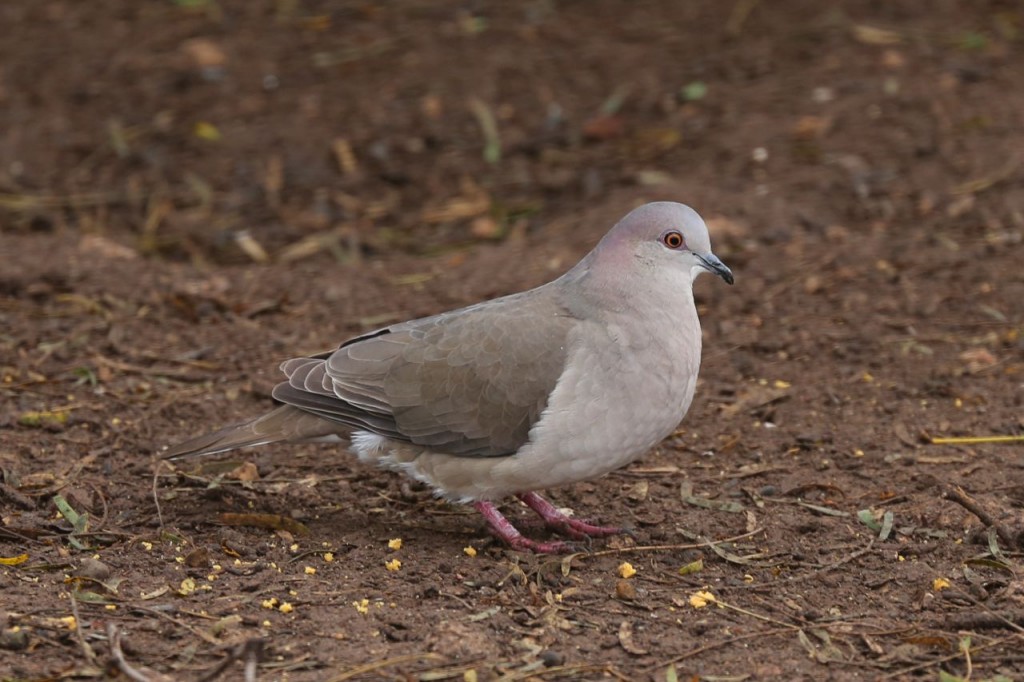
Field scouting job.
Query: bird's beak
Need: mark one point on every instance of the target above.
(715, 266)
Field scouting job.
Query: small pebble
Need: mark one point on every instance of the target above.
(551, 658)
(94, 569)
(625, 590)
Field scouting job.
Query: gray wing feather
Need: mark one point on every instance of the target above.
(471, 382)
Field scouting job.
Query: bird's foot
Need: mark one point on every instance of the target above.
(511, 536)
(563, 524)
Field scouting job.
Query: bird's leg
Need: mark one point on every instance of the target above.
(566, 525)
(508, 533)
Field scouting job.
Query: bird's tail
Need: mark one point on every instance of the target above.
(286, 423)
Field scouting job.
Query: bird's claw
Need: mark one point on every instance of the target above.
(556, 520)
(579, 529)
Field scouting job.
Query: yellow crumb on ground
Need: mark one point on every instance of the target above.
(699, 600)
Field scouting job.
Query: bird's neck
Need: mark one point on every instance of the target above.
(655, 293)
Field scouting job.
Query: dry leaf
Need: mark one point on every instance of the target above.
(638, 492)
(893, 59)
(604, 127)
(872, 35)
(485, 227)
(204, 52)
(978, 359)
(268, 521)
(345, 157)
(205, 130)
(459, 208)
(246, 471)
(754, 397)
(273, 179)
(252, 248)
(903, 434)
(94, 244)
(654, 141)
(431, 106)
(626, 640)
(810, 127)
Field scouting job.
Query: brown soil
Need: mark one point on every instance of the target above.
(191, 192)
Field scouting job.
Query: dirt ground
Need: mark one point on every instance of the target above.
(192, 191)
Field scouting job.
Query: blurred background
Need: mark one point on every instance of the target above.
(282, 129)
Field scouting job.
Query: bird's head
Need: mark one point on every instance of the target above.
(663, 235)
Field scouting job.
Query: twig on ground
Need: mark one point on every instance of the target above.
(955, 493)
(156, 496)
(753, 614)
(985, 621)
(90, 655)
(902, 673)
(205, 636)
(251, 651)
(990, 619)
(9, 493)
(114, 635)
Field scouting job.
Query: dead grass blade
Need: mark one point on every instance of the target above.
(975, 440)
(981, 184)
(28, 202)
(125, 668)
(489, 128)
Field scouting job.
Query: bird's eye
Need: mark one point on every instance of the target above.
(673, 240)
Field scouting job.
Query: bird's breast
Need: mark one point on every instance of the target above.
(619, 396)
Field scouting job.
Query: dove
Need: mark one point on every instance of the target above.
(536, 390)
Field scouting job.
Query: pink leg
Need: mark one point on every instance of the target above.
(504, 529)
(566, 525)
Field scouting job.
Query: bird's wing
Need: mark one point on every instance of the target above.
(470, 382)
